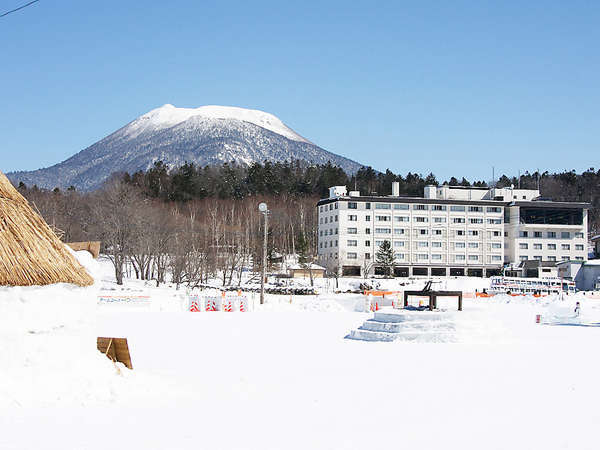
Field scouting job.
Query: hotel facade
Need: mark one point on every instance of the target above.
(450, 231)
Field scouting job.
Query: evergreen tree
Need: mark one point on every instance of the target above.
(385, 257)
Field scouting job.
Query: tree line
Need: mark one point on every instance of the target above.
(196, 223)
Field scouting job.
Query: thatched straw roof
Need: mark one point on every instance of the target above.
(30, 252)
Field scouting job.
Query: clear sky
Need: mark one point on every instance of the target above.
(449, 87)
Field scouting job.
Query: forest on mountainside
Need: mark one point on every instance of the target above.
(194, 222)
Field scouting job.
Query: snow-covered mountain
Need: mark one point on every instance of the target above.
(205, 136)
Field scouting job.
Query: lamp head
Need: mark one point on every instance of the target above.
(262, 207)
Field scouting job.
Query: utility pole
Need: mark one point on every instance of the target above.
(265, 211)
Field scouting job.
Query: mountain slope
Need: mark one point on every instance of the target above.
(205, 136)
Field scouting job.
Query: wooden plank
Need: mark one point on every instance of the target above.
(115, 349)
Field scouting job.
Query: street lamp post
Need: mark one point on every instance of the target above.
(265, 211)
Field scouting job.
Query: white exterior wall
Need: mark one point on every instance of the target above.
(419, 238)
(559, 248)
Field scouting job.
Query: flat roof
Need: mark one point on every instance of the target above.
(382, 199)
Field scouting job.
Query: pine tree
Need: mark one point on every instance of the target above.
(385, 257)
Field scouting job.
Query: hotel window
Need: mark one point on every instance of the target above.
(537, 246)
(473, 258)
(551, 246)
(423, 231)
(437, 232)
(523, 234)
(378, 243)
(565, 247)
(321, 208)
(351, 218)
(494, 209)
(422, 256)
(579, 258)
(496, 233)
(473, 245)
(473, 233)
(352, 255)
(398, 230)
(399, 255)
(475, 221)
(352, 230)
(496, 245)
(436, 244)
(336, 231)
(460, 232)
(398, 243)
(368, 218)
(439, 219)
(336, 218)
(475, 209)
(565, 235)
(326, 219)
(401, 218)
(352, 243)
(383, 230)
(457, 208)
(436, 257)
(367, 206)
(367, 256)
(523, 246)
(367, 231)
(383, 218)
(458, 220)
(578, 247)
(420, 207)
(459, 245)
(352, 205)
(494, 221)
(335, 207)
(551, 234)
(496, 258)
(382, 206)
(321, 233)
(367, 243)
(565, 258)
(400, 206)
(537, 258)
(579, 235)
(459, 257)
(523, 258)
(421, 219)
(551, 258)
(537, 234)
(422, 244)
(438, 208)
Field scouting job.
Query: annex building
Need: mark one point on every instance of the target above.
(451, 230)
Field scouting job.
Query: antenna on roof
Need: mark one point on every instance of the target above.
(493, 177)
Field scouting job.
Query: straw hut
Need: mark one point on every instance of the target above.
(30, 252)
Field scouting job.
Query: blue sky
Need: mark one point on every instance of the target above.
(452, 88)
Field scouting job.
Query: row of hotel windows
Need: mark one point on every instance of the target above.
(474, 220)
(550, 234)
(416, 207)
(402, 231)
(354, 218)
(551, 258)
(421, 231)
(425, 257)
(524, 246)
(423, 244)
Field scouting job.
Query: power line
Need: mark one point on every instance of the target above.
(20, 7)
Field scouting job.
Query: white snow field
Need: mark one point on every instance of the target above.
(284, 377)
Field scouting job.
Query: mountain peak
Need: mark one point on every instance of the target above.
(168, 115)
(206, 135)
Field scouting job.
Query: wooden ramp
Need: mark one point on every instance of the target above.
(116, 349)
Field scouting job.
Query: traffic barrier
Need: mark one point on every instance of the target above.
(228, 304)
(538, 318)
(243, 304)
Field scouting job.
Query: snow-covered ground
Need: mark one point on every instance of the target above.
(284, 377)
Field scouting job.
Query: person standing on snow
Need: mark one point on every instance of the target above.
(577, 309)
